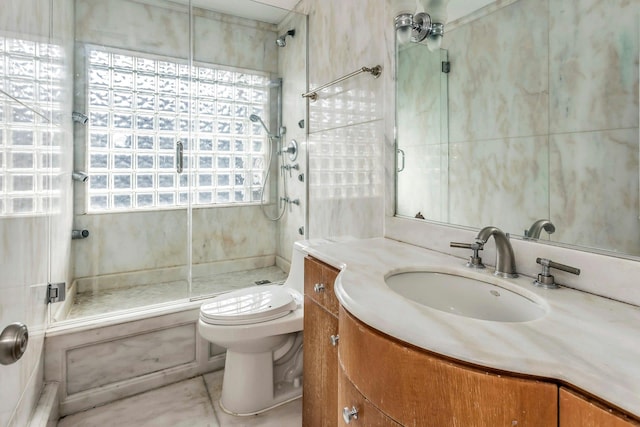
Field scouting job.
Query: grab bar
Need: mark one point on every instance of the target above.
(375, 72)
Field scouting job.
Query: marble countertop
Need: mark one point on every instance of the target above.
(590, 342)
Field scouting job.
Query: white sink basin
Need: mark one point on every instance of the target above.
(466, 297)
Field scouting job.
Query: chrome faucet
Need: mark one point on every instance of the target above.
(537, 227)
(505, 259)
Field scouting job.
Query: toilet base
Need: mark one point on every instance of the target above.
(247, 386)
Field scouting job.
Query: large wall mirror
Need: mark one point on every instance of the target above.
(536, 118)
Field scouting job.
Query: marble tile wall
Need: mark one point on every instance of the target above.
(347, 123)
(35, 249)
(151, 240)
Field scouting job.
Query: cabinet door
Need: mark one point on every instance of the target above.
(417, 388)
(320, 384)
(368, 415)
(577, 411)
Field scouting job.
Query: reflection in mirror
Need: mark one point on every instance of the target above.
(421, 102)
(542, 116)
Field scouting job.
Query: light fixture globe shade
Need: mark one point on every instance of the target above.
(402, 6)
(434, 42)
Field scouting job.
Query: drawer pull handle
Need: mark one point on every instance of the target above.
(319, 287)
(349, 414)
(334, 340)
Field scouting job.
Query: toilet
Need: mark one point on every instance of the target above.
(261, 328)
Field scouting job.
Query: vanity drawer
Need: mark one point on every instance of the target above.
(319, 280)
(368, 415)
(579, 411)
(418, 388)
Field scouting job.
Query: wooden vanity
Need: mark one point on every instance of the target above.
(386, 382)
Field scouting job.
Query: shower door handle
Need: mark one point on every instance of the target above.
(401, 152)
(179, 157)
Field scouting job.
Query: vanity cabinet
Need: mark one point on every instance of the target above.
(320, 385)
(580, 411)
(416, 388)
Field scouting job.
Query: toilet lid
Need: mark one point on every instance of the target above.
(249, 305)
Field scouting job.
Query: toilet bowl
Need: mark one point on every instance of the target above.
(261, 328)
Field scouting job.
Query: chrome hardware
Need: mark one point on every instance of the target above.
(79, 118)
(56, 292)
(301, 124)
(79, 234)
(474, 261)
(349, 414)
(545, 279)
(374, 71)
(505, 259)
(318, 287)
(400, 169)
(13, 343)
(79, 176)
(301, 230)
(291, 150)
(334, 339)
(301, 177)
(179, 157)
(290, 168)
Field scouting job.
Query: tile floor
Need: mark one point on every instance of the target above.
(110, 300)
(190, 403)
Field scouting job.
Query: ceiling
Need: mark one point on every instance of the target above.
(271, 11)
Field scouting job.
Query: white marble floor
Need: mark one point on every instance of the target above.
(190, 403)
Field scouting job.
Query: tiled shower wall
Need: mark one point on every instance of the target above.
(35, 247)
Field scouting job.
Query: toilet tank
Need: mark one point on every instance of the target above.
(295, 280)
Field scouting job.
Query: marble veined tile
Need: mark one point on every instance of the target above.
(124, 298)
(498, 84)
(184, 404)
(594, 189)
(593, 73)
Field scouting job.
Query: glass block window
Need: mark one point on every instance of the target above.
(139, 107)
(31, 99)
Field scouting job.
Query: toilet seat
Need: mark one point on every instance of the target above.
(250, 305)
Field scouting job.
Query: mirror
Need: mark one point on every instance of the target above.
(536, 119)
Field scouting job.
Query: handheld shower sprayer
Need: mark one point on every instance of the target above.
(256, 119)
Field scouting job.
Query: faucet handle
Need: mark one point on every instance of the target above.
(545, 279)
(474, 261)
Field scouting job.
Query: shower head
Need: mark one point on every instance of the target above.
(281, 41)
(256, 119)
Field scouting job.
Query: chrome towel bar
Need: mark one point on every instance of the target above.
(375, 72)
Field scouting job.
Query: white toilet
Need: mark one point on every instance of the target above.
(261, 328)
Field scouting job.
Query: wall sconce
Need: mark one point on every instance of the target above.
(418, 27)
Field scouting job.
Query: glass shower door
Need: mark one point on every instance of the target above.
(132, 95)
